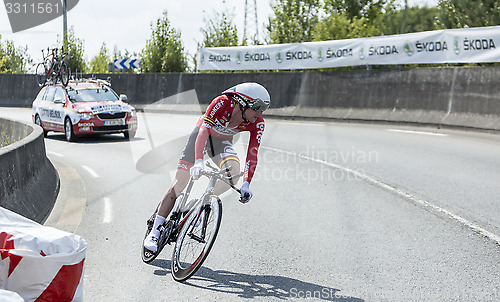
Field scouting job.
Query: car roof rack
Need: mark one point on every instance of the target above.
(101, 82)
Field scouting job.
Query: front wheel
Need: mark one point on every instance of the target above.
(68, 130)
(129, 134)
(196, 239)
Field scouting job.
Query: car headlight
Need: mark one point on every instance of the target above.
(132, 113)
(86, 115)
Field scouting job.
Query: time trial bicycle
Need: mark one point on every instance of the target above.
(192, 226)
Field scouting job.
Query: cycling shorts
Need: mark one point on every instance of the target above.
(220, 150)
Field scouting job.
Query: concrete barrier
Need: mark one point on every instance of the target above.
(17, 90)
(451, 96)
(29, 182)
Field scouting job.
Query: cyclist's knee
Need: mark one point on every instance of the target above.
(235, 169)
(233, 164)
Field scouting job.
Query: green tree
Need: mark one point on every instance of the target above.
(75, 52)
(339, 26)
(219, 32)
(164, 51)
(468, 13)
(13, 59)
(117, 54)
(294, 21)
(99, 63)
(346, 19)
(370, 10)
(413, 19)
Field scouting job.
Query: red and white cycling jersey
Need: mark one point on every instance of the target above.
(215, 122)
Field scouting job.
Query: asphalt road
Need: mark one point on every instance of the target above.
(341, 212)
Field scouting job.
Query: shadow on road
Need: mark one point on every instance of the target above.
(93, 138)
(256, 286)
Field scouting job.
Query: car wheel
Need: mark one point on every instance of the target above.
(38, 121)
(129, 134)
(68, 130)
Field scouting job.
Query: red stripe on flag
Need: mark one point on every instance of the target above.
(6, 244)
(64, 285)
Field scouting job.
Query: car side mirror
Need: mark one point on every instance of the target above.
(123, 97)
(58, 100)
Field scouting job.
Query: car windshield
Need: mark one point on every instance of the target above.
(92, 95)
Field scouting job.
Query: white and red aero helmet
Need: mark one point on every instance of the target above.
(251, 95)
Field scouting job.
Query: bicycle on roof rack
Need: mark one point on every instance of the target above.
(192, 226)
(53, 68)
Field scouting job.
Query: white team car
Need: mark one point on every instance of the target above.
(83, 107)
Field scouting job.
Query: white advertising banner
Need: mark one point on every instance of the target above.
(469, 45)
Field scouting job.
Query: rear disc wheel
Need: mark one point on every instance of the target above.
(147, 255)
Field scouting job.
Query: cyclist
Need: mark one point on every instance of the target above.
(238, 109)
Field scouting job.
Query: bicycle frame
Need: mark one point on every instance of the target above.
(184, 222)
(181, 206)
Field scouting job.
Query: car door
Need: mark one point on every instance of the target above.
(58, 104)
(37, 106)
(46, 107)
(52, 110)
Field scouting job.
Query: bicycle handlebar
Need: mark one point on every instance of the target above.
(219, 174)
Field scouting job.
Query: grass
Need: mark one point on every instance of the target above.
(5, 140)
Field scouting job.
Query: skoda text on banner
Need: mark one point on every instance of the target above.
(470, 45)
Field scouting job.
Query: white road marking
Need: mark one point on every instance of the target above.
(474, 227)
(91, 172)
(55, 154)
(108, 210)
(417, 132)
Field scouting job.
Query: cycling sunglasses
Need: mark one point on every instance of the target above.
(259, 105)
(256, 104)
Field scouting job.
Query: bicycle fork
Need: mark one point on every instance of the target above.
(204, 209)
(183, 206)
